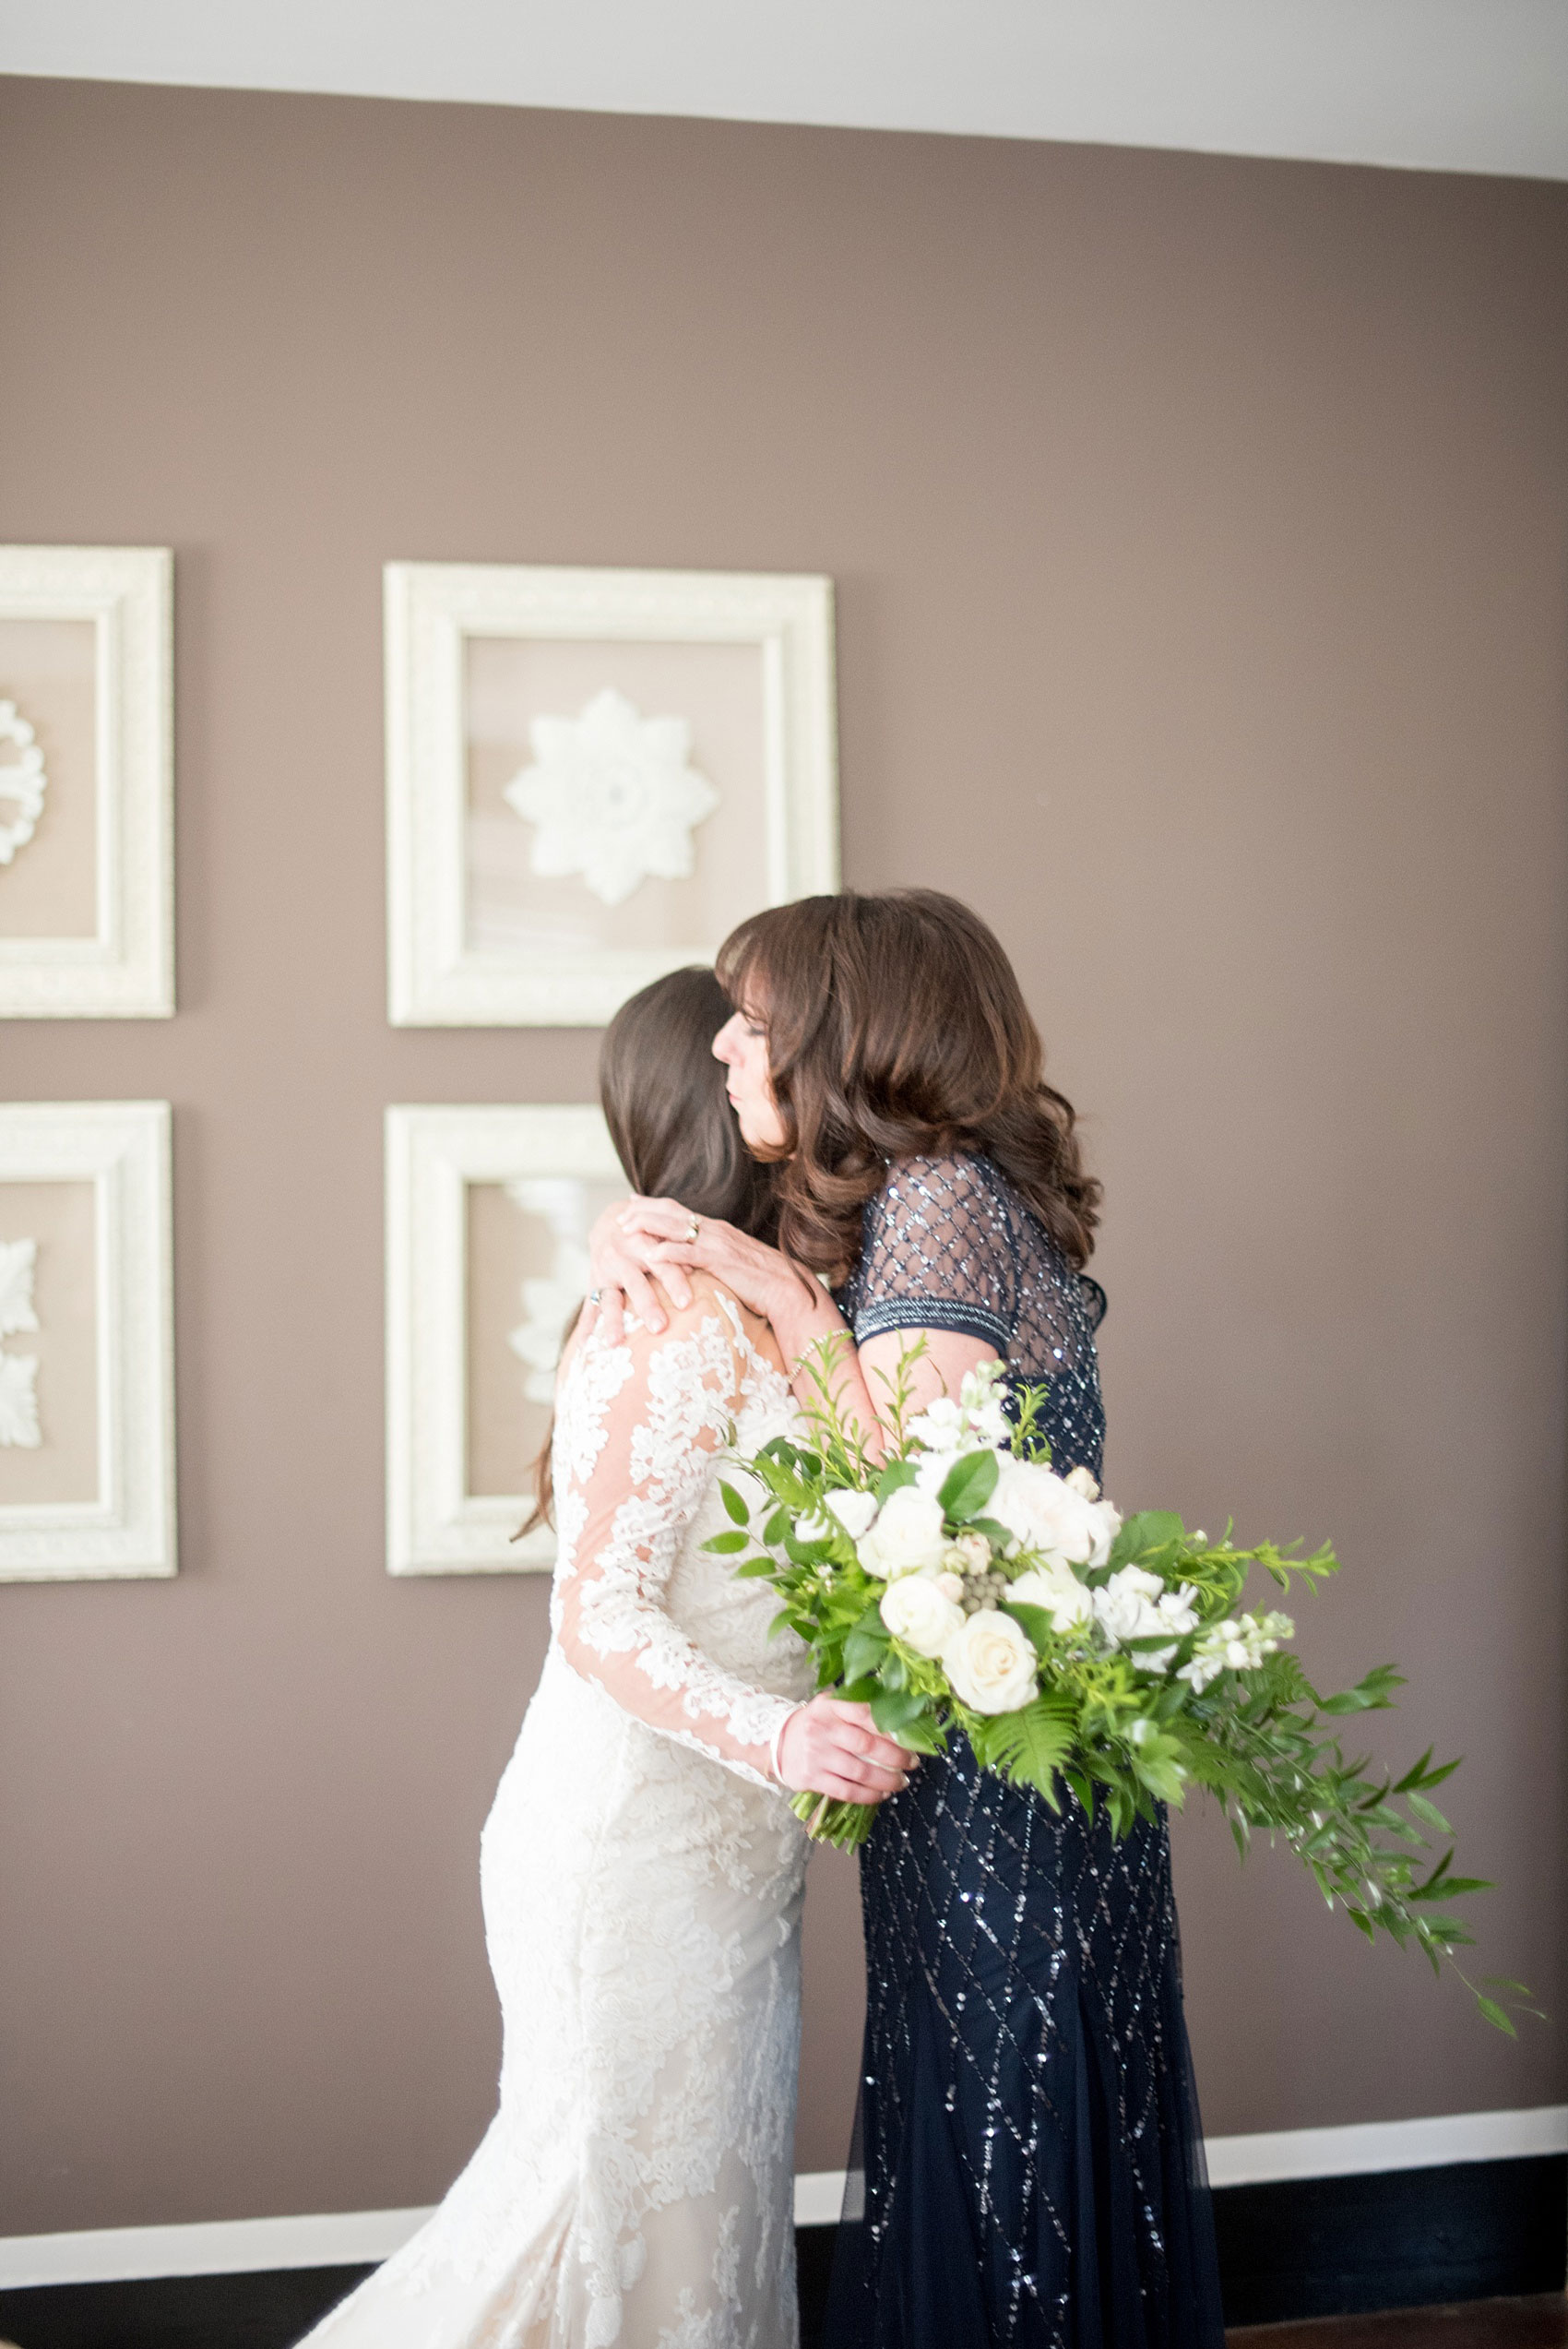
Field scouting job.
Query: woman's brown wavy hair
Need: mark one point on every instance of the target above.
(674, 1132)
(896, 1028)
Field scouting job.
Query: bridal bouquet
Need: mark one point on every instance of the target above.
(962, 1584)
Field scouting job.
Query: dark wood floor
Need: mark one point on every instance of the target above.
(1536, 2323)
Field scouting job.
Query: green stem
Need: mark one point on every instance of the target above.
(845, 1825)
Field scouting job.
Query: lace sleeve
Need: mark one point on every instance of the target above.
(936, 1254)
(637, 1428)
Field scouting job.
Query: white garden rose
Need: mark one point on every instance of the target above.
(918, 1611)
(991, 1662)
(1059, 1591)
(906, 1535)
(1047, 1514)
(950, 1584)
(856, 1513)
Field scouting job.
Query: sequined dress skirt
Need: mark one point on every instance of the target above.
(1028, 2131)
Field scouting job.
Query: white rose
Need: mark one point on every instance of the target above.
(918, 1611)
(991, 1662)
(1059, 1591)
(856, 1513)
(950, 1585)
(907, 1536)
(1047, 1514)
(1124, 1607)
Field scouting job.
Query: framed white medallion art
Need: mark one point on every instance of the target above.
(86, 923)
(488, 1214)
(592, 776)
(87, 1357)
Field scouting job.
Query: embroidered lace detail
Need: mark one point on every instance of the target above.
(652, 1435)
(641, 1909)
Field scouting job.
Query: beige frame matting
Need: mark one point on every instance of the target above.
(95, 815)
(121, 1383)
(439, 1162)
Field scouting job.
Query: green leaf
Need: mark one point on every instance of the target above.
(1497, 2016)
(892, 1671)
(968, 1485)
(1034, 1621)
(896, 1473)
(777, 1525)
(1001, 1537)
(1151, 1530)
(1029, 1746)
(865, 1647)
(734, 1507)
(893, 1709)
(726, 1545)
(756, 1566)
(1429, 1811)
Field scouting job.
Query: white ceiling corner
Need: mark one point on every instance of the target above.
(1446, 84)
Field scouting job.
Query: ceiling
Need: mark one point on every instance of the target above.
(1448, 85)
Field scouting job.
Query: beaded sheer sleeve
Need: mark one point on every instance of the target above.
(638, 1426)
(948, 1243)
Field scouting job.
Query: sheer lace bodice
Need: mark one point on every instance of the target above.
(642, 1881)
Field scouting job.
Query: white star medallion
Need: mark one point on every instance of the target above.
(612, 797)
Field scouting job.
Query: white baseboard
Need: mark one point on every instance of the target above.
(1386, 2145)
(356, 2239)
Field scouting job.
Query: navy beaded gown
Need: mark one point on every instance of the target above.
(1028, 2164)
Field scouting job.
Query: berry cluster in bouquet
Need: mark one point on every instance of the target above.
(959, 1584)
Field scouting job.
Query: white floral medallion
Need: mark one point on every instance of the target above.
(537, 1339)
(22, 782)
(612, 797)
(19, 1372)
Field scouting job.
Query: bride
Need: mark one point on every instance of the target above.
(641, 1868)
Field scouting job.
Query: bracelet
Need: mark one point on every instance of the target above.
(777, 1735)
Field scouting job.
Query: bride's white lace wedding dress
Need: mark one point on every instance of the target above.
(642, 1878)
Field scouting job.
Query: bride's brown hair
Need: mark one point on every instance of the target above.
(896, 1028)
(674, 1132)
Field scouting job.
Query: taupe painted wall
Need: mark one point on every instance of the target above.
(1199, 533)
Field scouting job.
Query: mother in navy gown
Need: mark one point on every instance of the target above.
(1028, 2165)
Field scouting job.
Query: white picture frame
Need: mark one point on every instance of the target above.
(436, 1524)
(434, 613)
(115, 957)
(118, 1153)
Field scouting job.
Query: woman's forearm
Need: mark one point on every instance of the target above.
(820, 1353)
